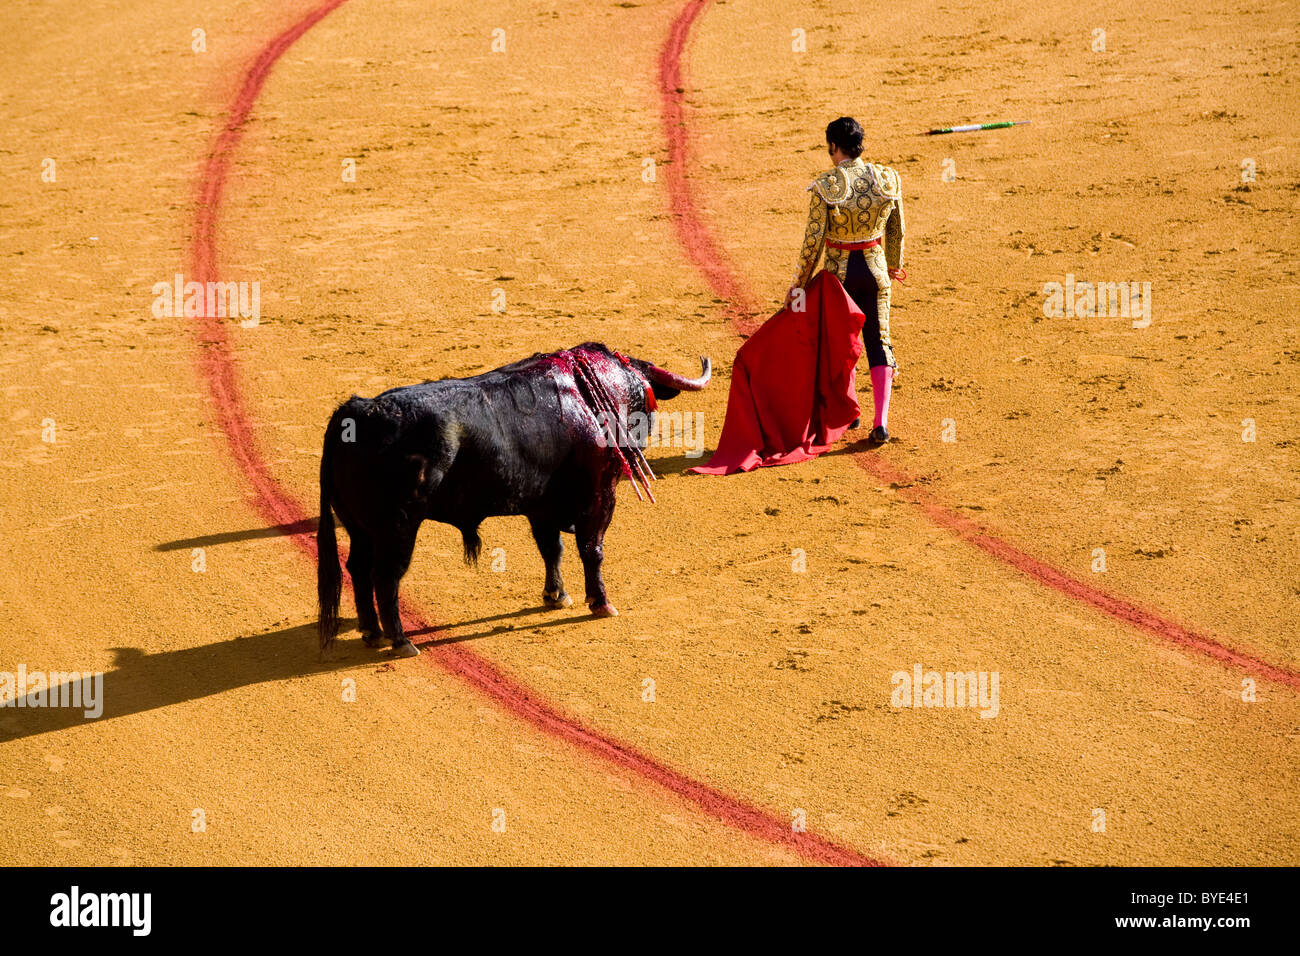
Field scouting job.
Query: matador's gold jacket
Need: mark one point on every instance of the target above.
(854, 202)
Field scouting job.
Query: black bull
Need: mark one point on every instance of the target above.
(531, 439)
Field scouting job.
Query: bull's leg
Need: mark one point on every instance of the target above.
(392, 558)
(360, 563)
(551, 545)
(590, 526)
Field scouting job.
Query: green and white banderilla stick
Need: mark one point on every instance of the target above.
(975, 127)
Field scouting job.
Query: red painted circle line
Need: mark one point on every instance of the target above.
(216, 366)
(727, 283)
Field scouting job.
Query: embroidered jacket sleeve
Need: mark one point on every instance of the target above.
(891, 188)
(894, 237)
(813, 239)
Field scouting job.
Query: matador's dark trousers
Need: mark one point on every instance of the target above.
(861, 286)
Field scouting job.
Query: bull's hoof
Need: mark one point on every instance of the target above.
(372, 640)
(559, 601)
(604, 610)
(405, 649)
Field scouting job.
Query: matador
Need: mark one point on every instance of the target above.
(856, 215)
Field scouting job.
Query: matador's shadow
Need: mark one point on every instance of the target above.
(677, 465)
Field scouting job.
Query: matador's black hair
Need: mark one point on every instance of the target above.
(846, 134)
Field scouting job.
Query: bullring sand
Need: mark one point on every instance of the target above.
(522, 171)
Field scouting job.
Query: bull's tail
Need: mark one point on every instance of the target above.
(329, 576)
(473, 544)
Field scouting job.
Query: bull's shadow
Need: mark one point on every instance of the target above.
(305, 526)
(141, 682)
(550, 618)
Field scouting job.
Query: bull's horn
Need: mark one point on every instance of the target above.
(669, 379)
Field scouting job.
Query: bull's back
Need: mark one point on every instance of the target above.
(496, 444)
(515, 439)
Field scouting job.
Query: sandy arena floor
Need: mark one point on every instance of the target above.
(521, 172)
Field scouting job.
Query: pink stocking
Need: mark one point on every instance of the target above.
(882, 379)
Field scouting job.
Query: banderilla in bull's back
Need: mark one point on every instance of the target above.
(532, 438)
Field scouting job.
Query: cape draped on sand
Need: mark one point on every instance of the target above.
(792, 384)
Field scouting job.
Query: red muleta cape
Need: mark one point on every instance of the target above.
(792, 384)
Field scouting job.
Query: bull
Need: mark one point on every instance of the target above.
(545, 438)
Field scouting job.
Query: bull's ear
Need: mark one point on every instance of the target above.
(664, 392)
